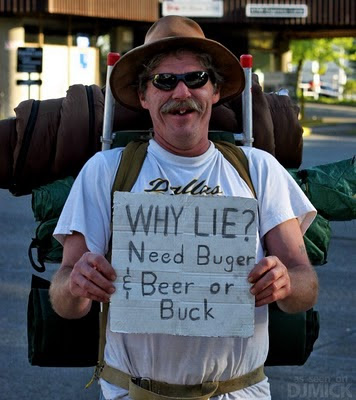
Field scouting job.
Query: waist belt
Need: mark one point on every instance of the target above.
(149, 389)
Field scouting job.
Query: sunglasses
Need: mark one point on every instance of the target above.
(167, 81)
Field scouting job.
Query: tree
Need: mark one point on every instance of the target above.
(322, 51)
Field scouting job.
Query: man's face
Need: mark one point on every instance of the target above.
(182, 131)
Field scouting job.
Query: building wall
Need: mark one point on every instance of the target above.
(12, 37)
(62, 67)
(134, 10)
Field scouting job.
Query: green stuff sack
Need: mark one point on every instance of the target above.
(48, 248)
(48, 200)
(47, 204)
(317, 239)
(332, 190)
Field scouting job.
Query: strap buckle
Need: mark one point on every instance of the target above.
(97, 372)
(144, 383)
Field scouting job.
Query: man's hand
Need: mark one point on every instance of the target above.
(286, 276)
(271, 281)
(92, 277)
(82, 277)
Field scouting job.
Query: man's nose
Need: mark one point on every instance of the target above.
(181, 91)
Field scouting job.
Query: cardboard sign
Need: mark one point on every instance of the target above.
(182, 264)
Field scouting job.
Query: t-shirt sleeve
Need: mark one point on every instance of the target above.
(88, 206)
(279, 196)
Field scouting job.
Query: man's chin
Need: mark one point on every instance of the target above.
(185, 142)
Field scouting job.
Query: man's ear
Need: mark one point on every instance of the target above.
(143, 101)
(216, 94)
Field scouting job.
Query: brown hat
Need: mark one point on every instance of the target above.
(164, 35)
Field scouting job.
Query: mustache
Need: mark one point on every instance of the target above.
(176, 105)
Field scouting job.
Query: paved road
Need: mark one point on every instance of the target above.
(18, 380)
(336, 120)
(330, 113)
(329, 373)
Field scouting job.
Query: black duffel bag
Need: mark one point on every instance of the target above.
(54, 341)
(291, 336)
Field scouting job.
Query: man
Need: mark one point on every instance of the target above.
(178, 76)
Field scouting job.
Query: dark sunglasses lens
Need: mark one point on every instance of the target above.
(195, 80)
(165, 81)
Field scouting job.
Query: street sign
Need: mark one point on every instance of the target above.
(29, 59)
(29, 82)
(188, 8)
(277, 10)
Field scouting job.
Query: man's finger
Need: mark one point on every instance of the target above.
(275, 296)
(83, 287)
(100, 263)
(96, 276)
(272, 289)
(262, 268)
(267, 280)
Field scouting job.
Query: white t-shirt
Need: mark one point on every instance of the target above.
(178, 359)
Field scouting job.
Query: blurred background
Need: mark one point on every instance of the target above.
(305, 46)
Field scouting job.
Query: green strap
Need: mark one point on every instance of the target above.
(149, 389)
(130, 166)
(238, 159)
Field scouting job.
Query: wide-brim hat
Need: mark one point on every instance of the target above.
(167, 34)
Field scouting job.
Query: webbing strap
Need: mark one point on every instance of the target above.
(238, 159)
(147, 389)
(130, 166)
(102, 329)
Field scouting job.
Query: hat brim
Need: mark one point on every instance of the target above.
(123, 78)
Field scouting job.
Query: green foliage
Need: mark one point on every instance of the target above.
(323, 50)
(350, 86)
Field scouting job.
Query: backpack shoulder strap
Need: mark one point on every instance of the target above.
(130, 166)
(239, 161)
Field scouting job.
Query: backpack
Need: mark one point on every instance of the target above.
(291, 335)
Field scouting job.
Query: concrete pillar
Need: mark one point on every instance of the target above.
(282, 53)
(122, 40)
(286, 61)
(12, 35)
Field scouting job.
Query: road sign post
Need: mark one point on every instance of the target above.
(29, 59)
